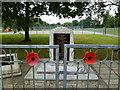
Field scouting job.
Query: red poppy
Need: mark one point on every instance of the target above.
(32, 58)
(89, 57)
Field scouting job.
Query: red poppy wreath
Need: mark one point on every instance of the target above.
(89, 57)
(32, 58)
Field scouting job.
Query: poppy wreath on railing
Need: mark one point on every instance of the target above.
(32, 58)
(89, 57)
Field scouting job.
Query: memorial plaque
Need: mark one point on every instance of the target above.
(61, 39)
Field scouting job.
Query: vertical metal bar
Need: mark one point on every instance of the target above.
(109, 75)
(112, 54)
(11, 70)
(103, 30)
(33, 74)
(65, 67)
(88, 76)
(94, 30)
(119, 82)
(44, 76)
(2, 84)
(57, 67)
(99, 76)
(118, 76)
(33, 77)
(110, 69)
(22, 74)
(77, 75)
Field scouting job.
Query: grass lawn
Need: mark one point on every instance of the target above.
(39, 39)
(43, 39)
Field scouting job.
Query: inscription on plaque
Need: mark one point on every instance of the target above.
(61, 39)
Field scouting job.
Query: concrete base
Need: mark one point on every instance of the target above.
(6, 69)
(9, 75)
(50, 72)
(50, 68)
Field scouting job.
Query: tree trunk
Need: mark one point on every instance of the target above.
(26, 22)
(27, 37)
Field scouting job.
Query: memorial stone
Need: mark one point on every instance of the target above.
(60, 36)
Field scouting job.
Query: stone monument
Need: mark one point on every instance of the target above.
(60, 36)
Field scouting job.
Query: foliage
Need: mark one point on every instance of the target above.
(39, 22)
(89, 23)
(75, 23)
(68, 24)
(108, 20)
(22, 12)
(117, 18)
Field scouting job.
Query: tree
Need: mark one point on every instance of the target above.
(68, 24)
(108, 20)
(38, 22)
(99, 10)
(75, 23)
(22, 12)
(89, 23)
(58, 23)
(117, 18)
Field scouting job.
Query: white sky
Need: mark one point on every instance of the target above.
(53, 19)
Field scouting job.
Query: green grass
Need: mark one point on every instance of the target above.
(43, 39)
(39, 39)
(95, 39)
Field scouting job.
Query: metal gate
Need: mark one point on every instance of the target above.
(8, 49)
(111, 59)
(64, 76)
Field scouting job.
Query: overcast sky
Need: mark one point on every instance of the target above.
(54, 19)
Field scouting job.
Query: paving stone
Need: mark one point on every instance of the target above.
(114, 65)
(112, 76)
(103, 86)
(112, 81)
(114, 86)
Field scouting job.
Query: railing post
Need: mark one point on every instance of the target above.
(57, 67)
(2, 84)
(65, 67)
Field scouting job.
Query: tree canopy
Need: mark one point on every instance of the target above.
(22, 13)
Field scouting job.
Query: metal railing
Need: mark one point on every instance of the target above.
(99, 62)
(83, 71)
(32, 47)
